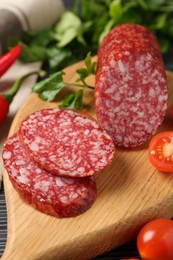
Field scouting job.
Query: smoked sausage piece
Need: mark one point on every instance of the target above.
(131, 88)
(66, 143)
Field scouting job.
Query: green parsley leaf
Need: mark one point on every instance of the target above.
(70, 27)
(58, 58)
(152, 4)
(89, 70)
(49, 87)
(91, 66)
(41, 37)
(73, 100)
(160, 22)
(106, 29)
(116, 10)
(32, 53)
(93, 9)
(164, 44)
(83, 73)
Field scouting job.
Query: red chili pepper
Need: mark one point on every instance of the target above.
(6, 98)
(9, 58)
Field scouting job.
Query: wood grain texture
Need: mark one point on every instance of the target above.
(130, 193)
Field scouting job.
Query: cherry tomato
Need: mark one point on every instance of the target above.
(161, 151)
(155, 240)
(4, 107)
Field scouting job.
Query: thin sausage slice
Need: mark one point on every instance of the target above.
(66, 143)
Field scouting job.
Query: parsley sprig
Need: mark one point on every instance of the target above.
(49, 88)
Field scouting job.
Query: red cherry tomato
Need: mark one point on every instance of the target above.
(161, 151)
(155, 240)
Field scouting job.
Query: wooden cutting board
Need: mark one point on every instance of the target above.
(130, 193)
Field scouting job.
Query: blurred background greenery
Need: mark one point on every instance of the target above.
(84, 24)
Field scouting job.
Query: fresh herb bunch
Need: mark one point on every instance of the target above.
(156, 15)
(49, 88)
(81, 29)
